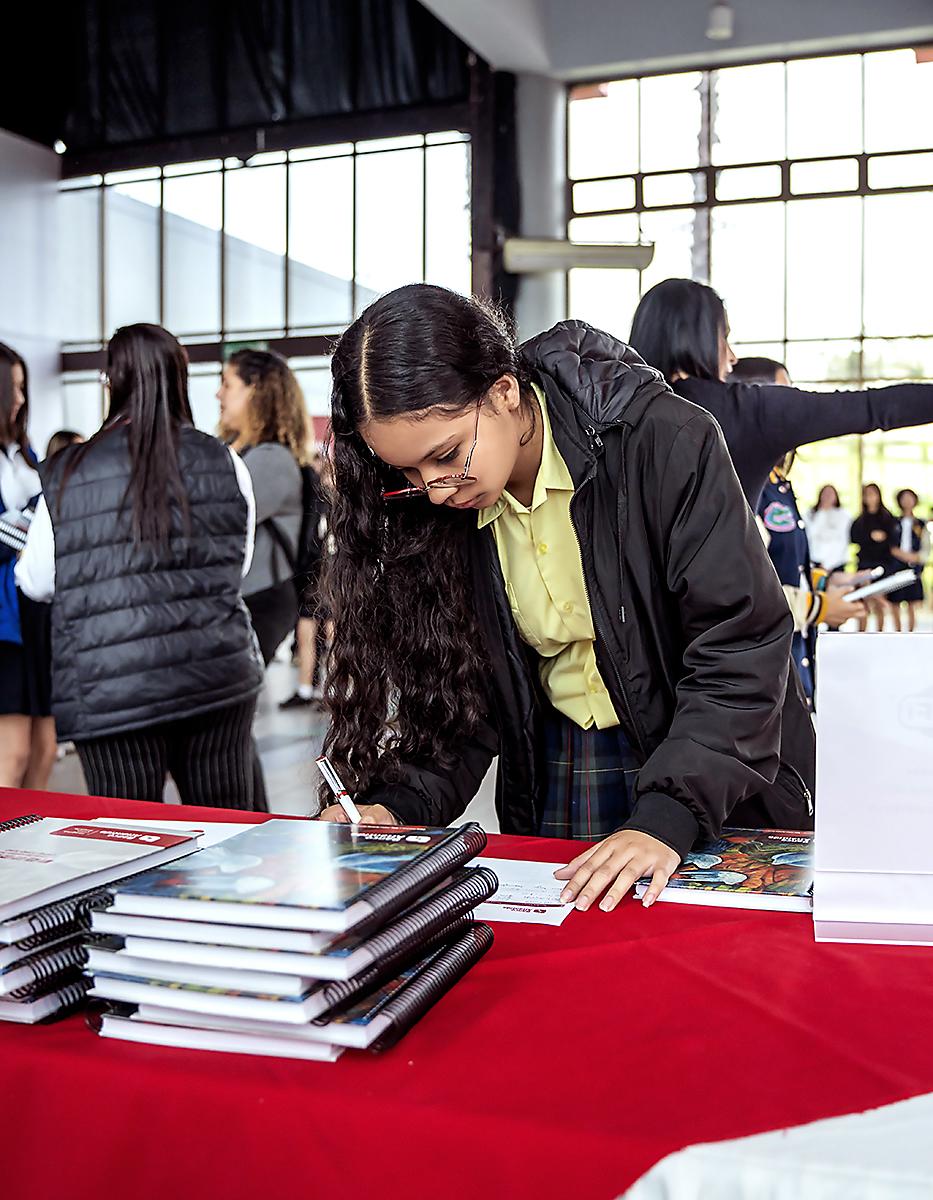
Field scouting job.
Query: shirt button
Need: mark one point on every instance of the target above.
(594, 688)
(805, 662)
(568, 607)
(542, 547)
(800, 525)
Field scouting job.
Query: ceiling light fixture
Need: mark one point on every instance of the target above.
(720, 25)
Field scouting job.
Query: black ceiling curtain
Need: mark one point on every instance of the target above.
(115, 73)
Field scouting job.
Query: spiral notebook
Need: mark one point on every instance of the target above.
(375, 1021)
(320, 998)
(303, 875)
(44, 860)
(55, 999)
(284, 973)
(42, 965)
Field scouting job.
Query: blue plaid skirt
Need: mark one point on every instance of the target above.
(590, 779)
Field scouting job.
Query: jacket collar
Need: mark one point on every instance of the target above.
(604, 378)
(593, 383)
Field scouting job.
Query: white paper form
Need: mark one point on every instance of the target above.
(528, 893)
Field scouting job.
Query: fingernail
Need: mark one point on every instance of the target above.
(648, 901)
(607, 906)
(583, 904)
(566, 896)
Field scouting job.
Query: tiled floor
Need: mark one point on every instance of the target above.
(288, 743)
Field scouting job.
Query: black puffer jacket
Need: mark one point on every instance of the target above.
(693, 631)
(142, 635)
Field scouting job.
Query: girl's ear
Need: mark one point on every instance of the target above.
(505, 394)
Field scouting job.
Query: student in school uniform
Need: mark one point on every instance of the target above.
(876, 534)
(913, 551)
(812, 600)
(27, 730)
(541, 552)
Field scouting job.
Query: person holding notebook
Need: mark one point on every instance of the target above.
(542, 552)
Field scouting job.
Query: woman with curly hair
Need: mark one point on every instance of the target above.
(541, 552)
(262, 414)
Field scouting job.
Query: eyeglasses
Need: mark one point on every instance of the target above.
(449, 482)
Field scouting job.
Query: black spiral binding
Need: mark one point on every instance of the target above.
(70, 993)
(345, 993)
(72, 914)
(48, 964)
(65, 976)
(438, 977)
(469, 888)
(395, 892)
(19, 822)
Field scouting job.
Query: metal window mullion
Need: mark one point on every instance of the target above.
(161, 247)
(353, 219)
(286, 320)
(424, 213)
(102, 233)
(223, 253)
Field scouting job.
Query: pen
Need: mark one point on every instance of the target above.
(332, 780)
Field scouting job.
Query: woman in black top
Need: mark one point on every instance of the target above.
(876, 534)
(681, 328)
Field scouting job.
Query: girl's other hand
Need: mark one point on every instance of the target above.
(372, 814)
(616, 864)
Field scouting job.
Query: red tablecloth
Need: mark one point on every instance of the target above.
(567, 1063)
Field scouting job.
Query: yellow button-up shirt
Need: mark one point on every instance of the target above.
(540, 560)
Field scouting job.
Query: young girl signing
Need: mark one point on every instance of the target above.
(542, 553)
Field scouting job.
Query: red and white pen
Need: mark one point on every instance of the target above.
(332, 779)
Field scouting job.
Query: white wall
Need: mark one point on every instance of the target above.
(28, 288)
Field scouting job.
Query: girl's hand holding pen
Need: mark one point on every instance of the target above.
(370, 814)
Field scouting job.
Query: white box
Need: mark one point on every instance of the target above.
(874, 789)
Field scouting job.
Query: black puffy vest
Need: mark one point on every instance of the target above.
(142, 635)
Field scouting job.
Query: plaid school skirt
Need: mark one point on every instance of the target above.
(590, 779)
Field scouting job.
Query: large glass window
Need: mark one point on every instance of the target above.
(803, 191)
(286, 242)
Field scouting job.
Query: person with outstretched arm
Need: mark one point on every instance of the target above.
(681, 328)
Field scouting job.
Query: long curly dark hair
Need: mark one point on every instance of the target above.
(406, 680)
(276, 410)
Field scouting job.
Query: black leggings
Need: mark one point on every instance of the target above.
(210, 757)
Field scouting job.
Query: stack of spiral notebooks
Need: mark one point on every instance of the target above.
(294, 939)
(53, 873)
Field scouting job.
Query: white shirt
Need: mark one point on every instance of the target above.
(828, 532)
(907, 534)
(19, 482)
(35, 571)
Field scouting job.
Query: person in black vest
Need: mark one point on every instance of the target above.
(141, 540)
(681, 328)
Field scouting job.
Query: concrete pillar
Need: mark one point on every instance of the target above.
(542, 158)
